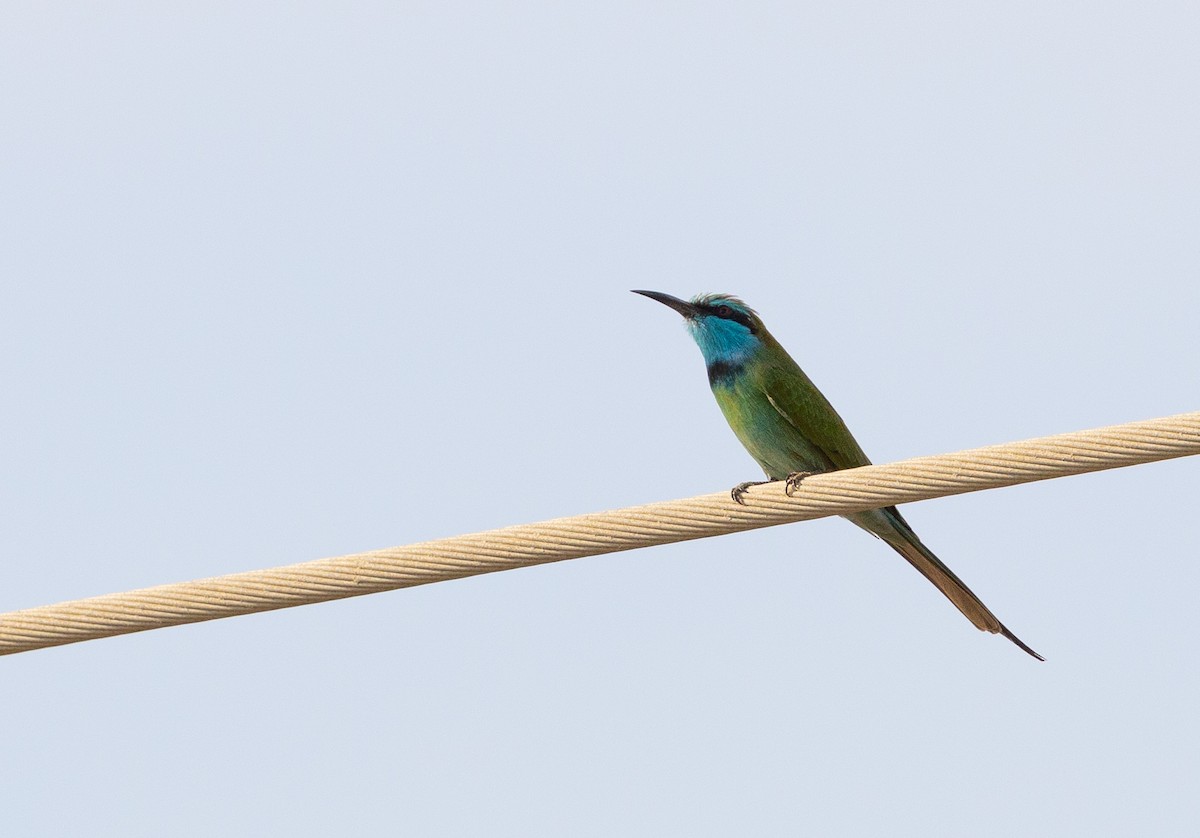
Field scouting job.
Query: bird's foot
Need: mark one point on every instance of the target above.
(792, 482)
(739, 491)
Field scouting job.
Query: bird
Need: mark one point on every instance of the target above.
(792, 431)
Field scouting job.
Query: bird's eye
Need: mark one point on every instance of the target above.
(724, 311)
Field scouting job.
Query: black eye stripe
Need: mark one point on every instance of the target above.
(727, 312)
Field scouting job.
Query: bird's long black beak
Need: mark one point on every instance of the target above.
(682, 306)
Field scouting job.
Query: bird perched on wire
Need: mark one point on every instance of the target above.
(792, 430)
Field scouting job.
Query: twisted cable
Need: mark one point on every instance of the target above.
(820, 495)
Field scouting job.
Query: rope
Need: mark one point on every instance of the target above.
(833, 493)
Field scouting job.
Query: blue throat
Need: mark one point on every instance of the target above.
(726, 345)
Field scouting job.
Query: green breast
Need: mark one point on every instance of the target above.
(778, 446)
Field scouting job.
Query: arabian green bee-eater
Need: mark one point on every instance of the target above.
(792, 430)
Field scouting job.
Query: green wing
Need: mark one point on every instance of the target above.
(806, 409)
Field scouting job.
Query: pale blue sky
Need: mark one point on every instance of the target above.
(286, 282)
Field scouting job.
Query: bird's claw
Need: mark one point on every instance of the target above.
(738, 492)
(792, 482)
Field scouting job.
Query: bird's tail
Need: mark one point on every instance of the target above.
(889, 525)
